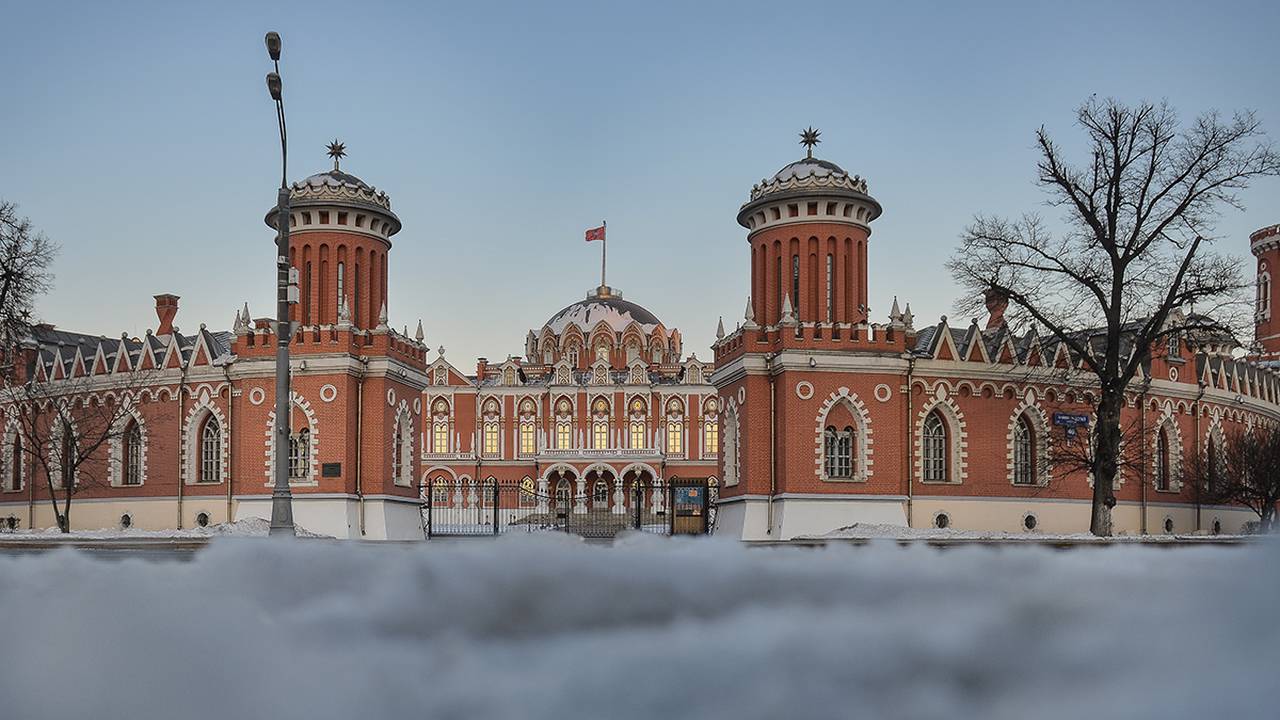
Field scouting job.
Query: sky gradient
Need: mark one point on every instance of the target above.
(140, 138)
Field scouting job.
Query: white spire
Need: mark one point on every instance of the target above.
(788, 313)
(382, 315)
(419, 335)
(895, 315)
(720, 329)
(750, 315)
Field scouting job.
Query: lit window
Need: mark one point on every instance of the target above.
(934, 438)
(440, 436)
(600, 433)
(528, 436)
(710, 436)
(490, 437)
(675, 437)
(636, 435)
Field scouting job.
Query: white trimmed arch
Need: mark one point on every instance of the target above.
(313, 449)
(862, 434)
(1168, 424)
(958, 438)
(12, 435)
(1030, 408)
(115, 447)
(203, 408)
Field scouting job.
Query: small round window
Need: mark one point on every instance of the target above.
(1168, 525)
(1029, 522)
(942, 521)
(126, 521)
(202, 519)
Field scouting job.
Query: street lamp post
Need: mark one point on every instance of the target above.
(281, 497)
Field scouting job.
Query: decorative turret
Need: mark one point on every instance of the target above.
(809, 226)
(1265, 244)
(340, 234)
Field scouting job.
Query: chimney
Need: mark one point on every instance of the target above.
(996, 304)
(166, 310)
(482, 368)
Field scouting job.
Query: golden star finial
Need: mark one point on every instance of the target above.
(337, 151)
(809, 138)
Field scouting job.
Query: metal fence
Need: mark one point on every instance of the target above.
(462, 508)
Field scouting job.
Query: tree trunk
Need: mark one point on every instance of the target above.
(1106, 461)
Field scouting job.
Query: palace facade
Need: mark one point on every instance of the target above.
(811, 418)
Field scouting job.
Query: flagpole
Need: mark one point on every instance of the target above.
(604, 244)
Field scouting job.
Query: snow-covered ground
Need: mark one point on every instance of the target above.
(545, 626)
(866, 531)
(248, 527)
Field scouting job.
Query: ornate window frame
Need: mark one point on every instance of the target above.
(863, 458)
(957, 439)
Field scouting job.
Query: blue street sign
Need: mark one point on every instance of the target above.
(1070, 420)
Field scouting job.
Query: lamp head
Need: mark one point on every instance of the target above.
(274, 86)
(273, 45)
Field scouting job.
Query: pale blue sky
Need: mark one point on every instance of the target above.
(141, 138)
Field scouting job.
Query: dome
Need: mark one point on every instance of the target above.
(608, 307)
(806, 167)
(334, 178)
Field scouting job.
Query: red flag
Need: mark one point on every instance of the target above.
(595, 234)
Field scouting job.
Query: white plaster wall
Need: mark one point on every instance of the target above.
(796, 517)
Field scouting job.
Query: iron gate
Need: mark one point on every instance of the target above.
(465, 508)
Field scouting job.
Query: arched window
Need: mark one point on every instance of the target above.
(440, 492)
(635, 435)
(675, 436)
(600, 424)
(528, 437)
(402, 451)
(300, 455)
(210, 467)
(342, 278)
(1162, 460)
(15, 465)
(1024, 454)
(838, 460)
(731, 451)
(600, 494)
(1214, 461)
(562, 492)
(440, 426)
(131, 457)
(1264, 293)
(490, 430)
(67, 456)
(710, 435)
(564, 433)
(934, 440)
(795, 284)
(831, 288)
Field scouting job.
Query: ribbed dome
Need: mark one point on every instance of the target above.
(612, 309)
(805, 167)
(335, 178)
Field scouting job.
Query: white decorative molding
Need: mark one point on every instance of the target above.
(804, 389)
(862, 441)
(957, 438)
(313, 431)
(1169, 422)
(883, 392)
(203, 408)
(1040, 439)
(391, 397)
(257, 395)
(115, 449)
(328, 392)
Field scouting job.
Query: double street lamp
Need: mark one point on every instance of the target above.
(281, 497)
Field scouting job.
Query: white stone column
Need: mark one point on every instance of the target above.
(580, 500)
(619, 498)
(542, 495)
(659, 498)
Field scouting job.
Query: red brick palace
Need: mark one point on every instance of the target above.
(811, 418)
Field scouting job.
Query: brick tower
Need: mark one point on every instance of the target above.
(806, 357)
(1265, 244)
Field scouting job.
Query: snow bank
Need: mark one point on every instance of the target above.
(548, 627)
(248, 527)
(866, 531)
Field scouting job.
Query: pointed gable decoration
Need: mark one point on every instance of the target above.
(78, 368)
(1008, 354)
(59, 368)
(123, 362)
(974, 348)
(944, 348)
(1061, 357)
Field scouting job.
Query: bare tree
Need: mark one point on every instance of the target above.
(25, 257)
(1244, 470)
(66, 431)
(1132, 261)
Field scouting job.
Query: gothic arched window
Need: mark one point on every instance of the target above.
(838, 452)
(132, 455)
(210, 466)
(1163, 464)
(1024, 454)
(934, 441)
(300, 454)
